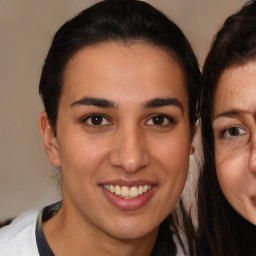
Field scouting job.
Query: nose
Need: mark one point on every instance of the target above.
(252, 156)
(129, 151)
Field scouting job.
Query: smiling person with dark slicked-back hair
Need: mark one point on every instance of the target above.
(121, 91)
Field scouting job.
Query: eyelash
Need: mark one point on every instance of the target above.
(170, 120)
(223, 133)
(85, 120)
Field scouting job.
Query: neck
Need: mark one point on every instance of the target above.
(68, 236)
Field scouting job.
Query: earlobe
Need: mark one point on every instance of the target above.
(49, 139)
(192, 150)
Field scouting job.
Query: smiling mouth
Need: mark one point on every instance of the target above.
(127, 192)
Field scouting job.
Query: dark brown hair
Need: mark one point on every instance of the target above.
(233, 45)
(123, 21)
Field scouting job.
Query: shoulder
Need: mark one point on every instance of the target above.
(18, 238)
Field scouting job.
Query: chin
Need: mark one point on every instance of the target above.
(130, 232)
(251, 218)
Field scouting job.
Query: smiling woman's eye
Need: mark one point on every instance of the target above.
(233, 132)
(96, 120)
(160, 120)
(231, 137)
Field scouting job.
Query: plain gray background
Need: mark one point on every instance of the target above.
(26, 29)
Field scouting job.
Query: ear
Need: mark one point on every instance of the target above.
(192, 149)
(49, 139)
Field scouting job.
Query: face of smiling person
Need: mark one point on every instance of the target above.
(235, 138)
(123, 139)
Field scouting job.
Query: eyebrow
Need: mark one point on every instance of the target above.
(231, 113)
(162, 102)
(98, 102)
(104, 103)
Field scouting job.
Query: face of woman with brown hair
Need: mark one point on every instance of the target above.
(123, 139)
(234, 125)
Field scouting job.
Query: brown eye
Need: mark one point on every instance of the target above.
(96, 120)
(233, 132)
(160, 120)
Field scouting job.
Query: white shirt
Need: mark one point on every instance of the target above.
(18, 238)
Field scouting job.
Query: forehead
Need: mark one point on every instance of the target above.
(130, 70)
(236, 87)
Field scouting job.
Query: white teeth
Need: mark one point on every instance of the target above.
(133, 192)
(141, 190)
(117, 190)
(127, 192)
(111, 188)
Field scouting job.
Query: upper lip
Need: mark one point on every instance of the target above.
(121, 182)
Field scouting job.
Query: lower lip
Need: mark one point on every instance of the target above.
(129, 204)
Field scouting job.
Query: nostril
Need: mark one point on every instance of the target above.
(130, 151)
(130, 160)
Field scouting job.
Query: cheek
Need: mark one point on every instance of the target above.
(173, 159)
(82, 155)
(230, 172)
(173, 155)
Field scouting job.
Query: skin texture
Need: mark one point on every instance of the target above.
(235, 138)
(126, 148)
